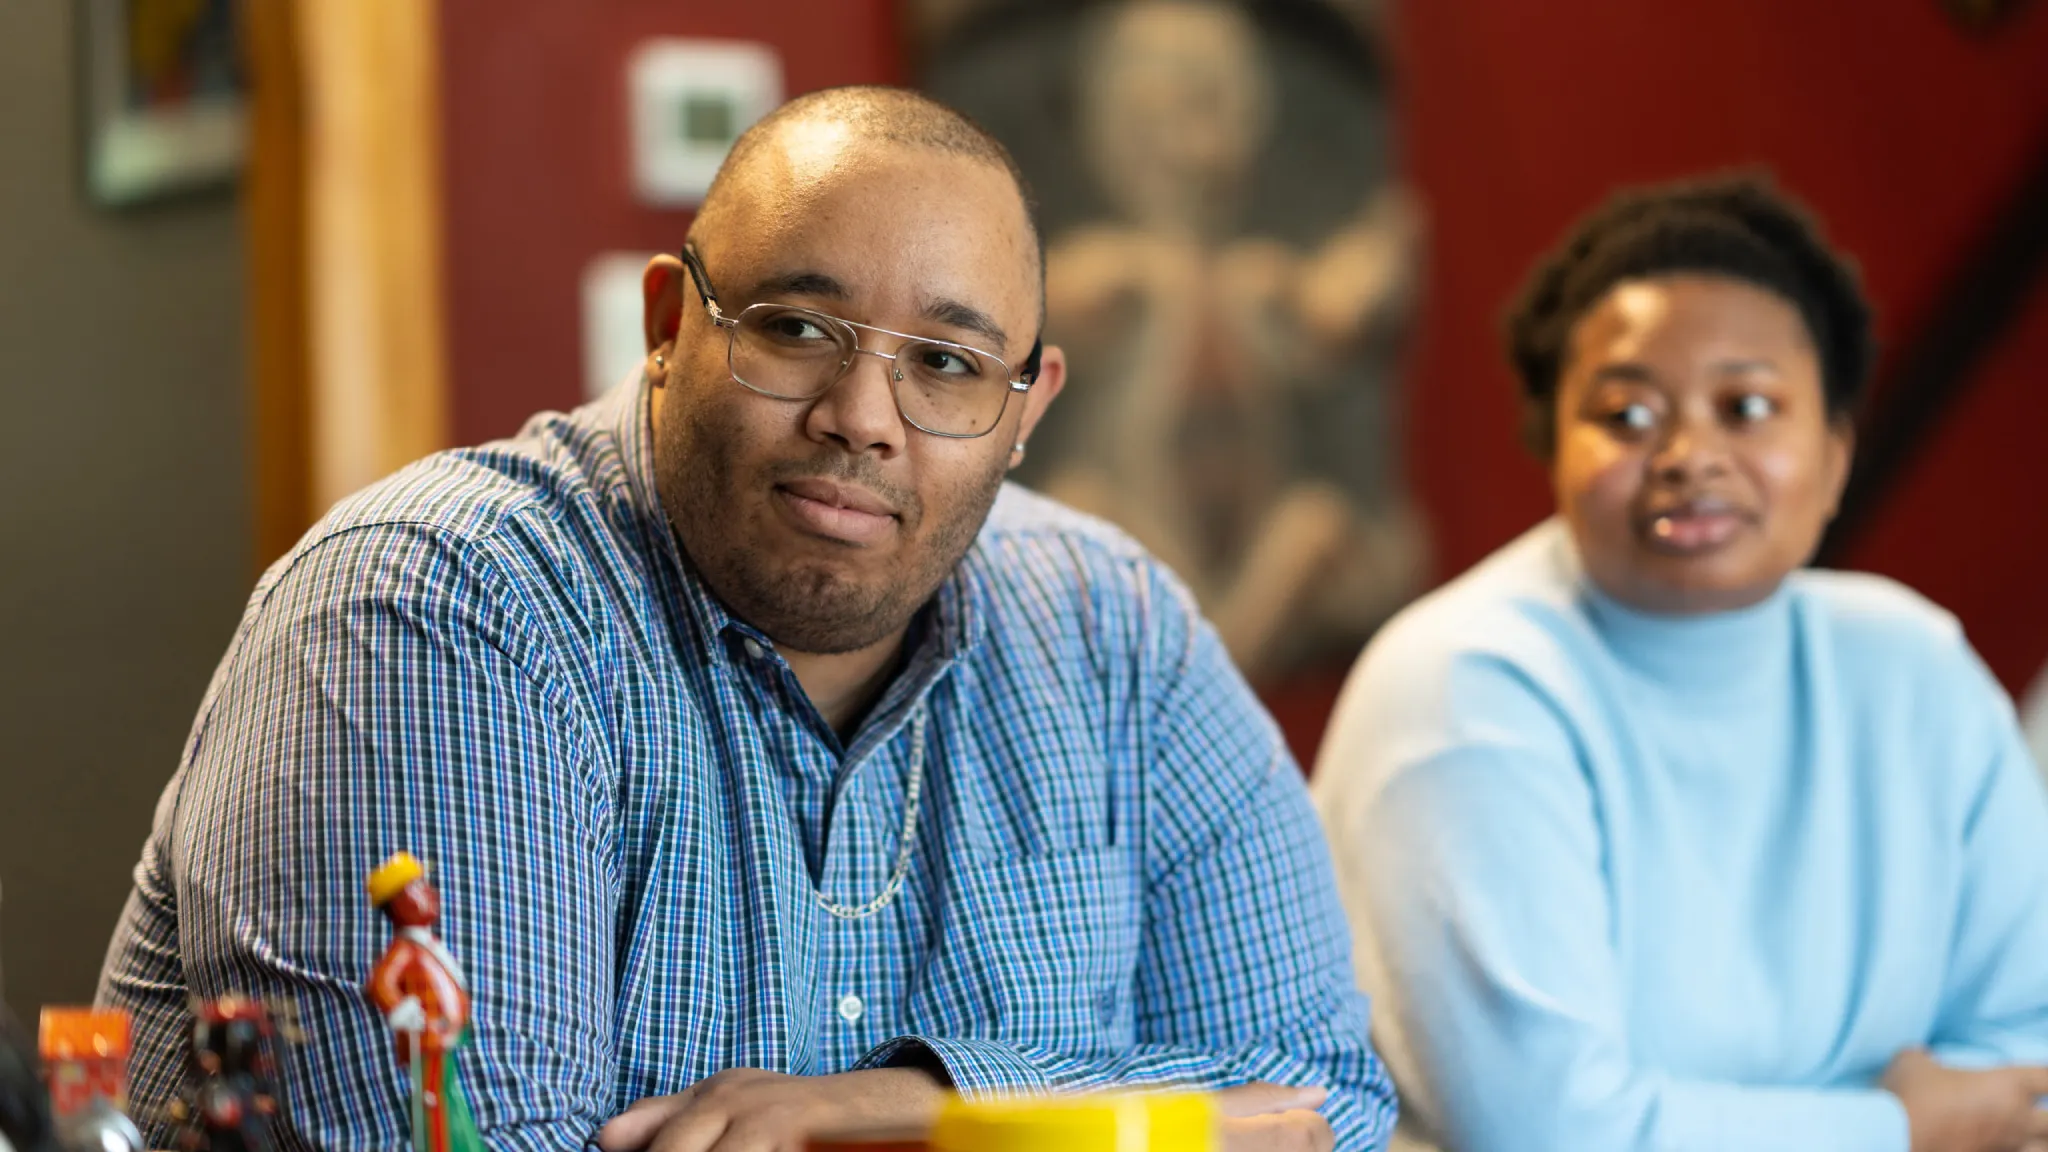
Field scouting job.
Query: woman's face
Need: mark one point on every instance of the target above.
(1696, 461)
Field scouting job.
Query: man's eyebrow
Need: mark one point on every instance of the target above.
(954, 314)
(803, 283)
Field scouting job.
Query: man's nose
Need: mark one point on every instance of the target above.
(859, 409)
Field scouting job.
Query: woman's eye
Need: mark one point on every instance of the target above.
(1632, 418)
(1753, 407)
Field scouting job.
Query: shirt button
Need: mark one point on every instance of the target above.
(753, 648)
(850, 1008)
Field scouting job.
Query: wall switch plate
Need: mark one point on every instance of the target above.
(690, 99)
(614, 342)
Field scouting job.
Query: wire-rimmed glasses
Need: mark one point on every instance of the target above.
(790, 352)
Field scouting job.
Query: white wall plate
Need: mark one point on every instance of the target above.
(614, 347)
(690, 99)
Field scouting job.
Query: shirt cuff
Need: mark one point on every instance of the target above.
(1725, 1116)
(974, 1068)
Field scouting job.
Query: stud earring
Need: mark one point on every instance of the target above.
(660, 361)
(1019, 450)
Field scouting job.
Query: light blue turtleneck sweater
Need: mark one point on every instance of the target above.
(1622, 881)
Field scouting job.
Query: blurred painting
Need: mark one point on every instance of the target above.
(164, 99)
(1231, 267)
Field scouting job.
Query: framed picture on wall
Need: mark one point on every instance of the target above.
(1232, 255)
(164, 97)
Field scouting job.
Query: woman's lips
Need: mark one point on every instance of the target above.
(1693, 528)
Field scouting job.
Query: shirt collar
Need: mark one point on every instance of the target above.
(1738, 650)
(958, 618)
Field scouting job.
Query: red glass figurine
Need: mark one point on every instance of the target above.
(234, 1098)
(418, 987)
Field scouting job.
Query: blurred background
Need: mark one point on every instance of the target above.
(255, 255)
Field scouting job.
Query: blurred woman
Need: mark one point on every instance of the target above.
(1651, 839)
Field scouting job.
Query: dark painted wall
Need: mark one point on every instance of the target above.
(124, 539)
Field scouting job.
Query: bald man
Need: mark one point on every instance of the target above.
(779, 766)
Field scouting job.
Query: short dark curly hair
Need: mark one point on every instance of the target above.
(1738, 225)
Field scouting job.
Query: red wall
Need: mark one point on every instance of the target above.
(1900, 129)
(1903, 131)
(534, 109)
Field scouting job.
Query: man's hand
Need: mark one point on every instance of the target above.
(1261, 1117)
(749, 1110)
(1952, 1110)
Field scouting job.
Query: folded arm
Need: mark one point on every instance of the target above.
(1995, 1011)
(387, 694)
(1244, 972)
(1483, 895)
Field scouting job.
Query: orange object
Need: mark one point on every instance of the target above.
(78, 1033)
(85, 1052)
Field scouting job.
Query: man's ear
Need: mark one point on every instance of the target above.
(1052, 376)
(662, 288)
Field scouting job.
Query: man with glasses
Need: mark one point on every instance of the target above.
(780, 768)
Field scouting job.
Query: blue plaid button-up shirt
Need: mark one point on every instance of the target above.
(499, 660)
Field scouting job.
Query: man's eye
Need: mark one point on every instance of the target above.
(949, 362)
(797, 328)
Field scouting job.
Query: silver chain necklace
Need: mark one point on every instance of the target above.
(911, 793)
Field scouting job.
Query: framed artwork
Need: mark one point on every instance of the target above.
(164, 97)
(1231, 263)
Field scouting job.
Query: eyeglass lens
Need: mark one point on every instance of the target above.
(796, 354)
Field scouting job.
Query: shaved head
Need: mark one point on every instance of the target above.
(807, 138)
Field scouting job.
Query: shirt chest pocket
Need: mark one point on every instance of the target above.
(1046, 948)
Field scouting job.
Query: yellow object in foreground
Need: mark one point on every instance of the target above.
(392, 876)
(1168, 1122)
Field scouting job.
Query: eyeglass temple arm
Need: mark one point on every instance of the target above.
(1030, 374)
(702, 280)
